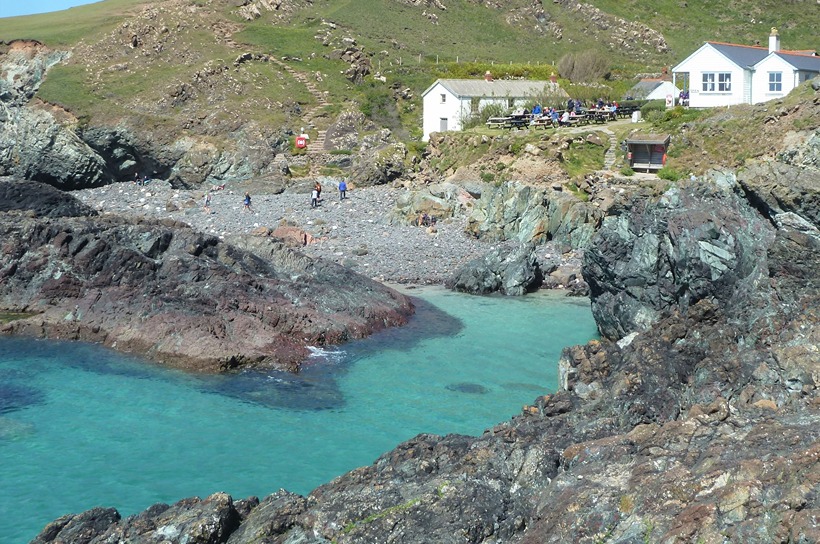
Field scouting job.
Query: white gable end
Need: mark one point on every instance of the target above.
(714, 80)
(773, 78)
(442, 110)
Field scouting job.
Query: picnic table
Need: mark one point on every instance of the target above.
(511, 121)
(497, 122)
(601, 116)
(577, 119)
(543, 121)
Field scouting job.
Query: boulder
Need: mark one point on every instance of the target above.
(508, 271)
(513, 211)
(440, 200)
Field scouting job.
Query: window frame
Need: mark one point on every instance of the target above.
(708, 83)
(775, 82)
(716, 82)
(724, 82)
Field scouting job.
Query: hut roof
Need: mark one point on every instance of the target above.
(648, 139)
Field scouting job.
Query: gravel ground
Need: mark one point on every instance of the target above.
(354, 232)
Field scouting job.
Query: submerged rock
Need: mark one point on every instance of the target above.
(465, 387)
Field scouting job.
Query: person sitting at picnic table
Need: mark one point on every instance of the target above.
(564, 121)
(600, 103)
(554, 116)
(536, 110)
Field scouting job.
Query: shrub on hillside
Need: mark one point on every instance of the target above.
(669, 174)
(490, 110)
(654, 110)
(587, 66)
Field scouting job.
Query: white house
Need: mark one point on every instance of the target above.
(724, 74)
(448, 102)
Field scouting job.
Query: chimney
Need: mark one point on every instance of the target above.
(553, 78)
(774, 41)
(488, 76)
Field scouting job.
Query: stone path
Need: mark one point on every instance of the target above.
(609, 155)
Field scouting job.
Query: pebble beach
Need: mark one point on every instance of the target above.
(355, 232)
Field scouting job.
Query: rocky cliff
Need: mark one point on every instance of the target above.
(695, 419)
(160, 289)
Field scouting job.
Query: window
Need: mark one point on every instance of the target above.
(708, 83)
(723, 80)
(775, 82)
(443, 98)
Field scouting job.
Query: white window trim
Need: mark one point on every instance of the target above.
(713, 84)
(776, 82)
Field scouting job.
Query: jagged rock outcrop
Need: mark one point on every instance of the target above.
(512, 211)
(171, 294)
(777, 188)
(33, 144)
(510, 271)
(379, 160)
(655, 257)
(438, 201)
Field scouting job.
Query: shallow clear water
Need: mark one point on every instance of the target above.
(81, 426)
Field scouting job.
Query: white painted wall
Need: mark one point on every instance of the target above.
(434, 109)
(660, 92)
(760, 84)
(707, 59)
(453, 109)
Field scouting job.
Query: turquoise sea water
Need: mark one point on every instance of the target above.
(82, 426)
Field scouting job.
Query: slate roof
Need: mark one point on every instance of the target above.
(644, 87)
(468, 88)
(801, 61)
(742, 55)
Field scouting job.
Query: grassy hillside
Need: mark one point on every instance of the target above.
(166, 62)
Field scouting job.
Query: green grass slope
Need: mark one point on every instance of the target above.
(171, 63)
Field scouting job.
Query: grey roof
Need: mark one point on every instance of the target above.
(808, 63)
(468, 88)
(644, 138)
(644, 87)
(742, 55)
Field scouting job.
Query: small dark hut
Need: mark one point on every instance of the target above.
(647, 151)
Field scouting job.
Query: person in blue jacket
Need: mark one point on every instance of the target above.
(342, 190)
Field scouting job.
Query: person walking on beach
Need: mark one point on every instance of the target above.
(206, 202)
(342, 190)
(314, 198)
(247, 203)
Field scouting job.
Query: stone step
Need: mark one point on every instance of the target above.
(317, 145)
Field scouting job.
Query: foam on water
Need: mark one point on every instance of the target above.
(82, 426)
